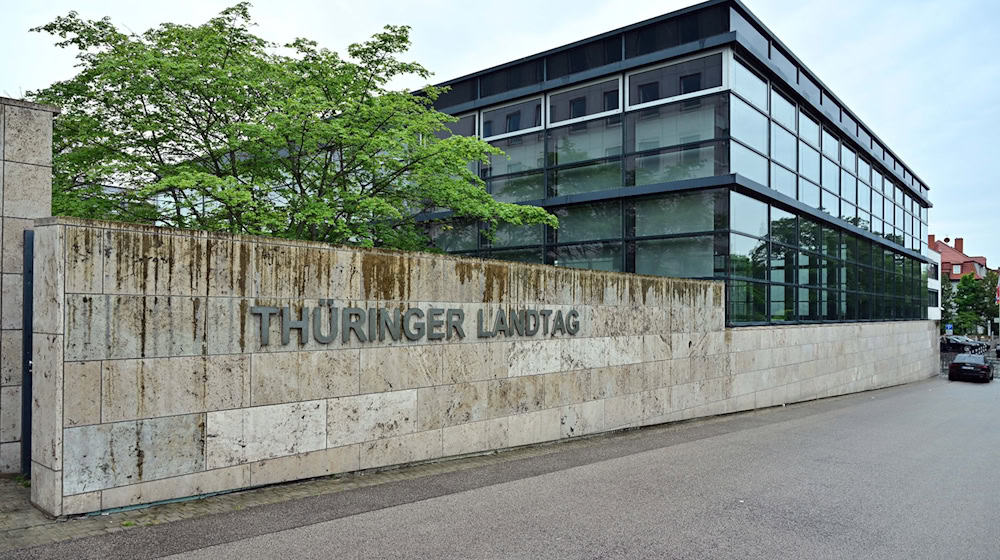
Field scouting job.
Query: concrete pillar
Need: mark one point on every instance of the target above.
(25, 194)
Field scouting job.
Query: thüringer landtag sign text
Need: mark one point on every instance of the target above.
(436, 323)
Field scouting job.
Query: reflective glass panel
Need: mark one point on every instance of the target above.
(808, 193)
(808, 129)
(783, 227)
(509, 235)
(848, 186)
(586, 178)
(782, 180)
(519, 255)
(830, 203)
(594, 256)
(594, 139)
(782, 110)
(748, 125)
(747, 84)
(810, 234)
(782, 303)
(782, 146)
(518, 188)
(747, 215)
(455, 237)
(831, 174)
(747, 257)
(748, 163)
(747, 301)
(512, 118)
(685, 122)
(521, 153)
(782, 264)
(848, 159)
(685, 257)
(678, 213)
(831, 147)
(588, 222)
(676, 79)
(808, 162)
(677, 164)
(581, 102)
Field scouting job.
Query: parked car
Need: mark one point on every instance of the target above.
(970, 366)
(998, 351)
(982, 346)
(960, 344)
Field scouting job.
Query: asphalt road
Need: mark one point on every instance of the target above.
(908, 472)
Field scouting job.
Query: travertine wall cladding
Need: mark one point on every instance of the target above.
(25, 194)
(149, 349)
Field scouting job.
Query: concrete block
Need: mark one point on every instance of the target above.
(10, 414)
(10, 457)
(10, 363)
(82, 396)
(82, 503)
(27, 136)
(84, 260)
(11, 301)
(371, 416)
(583, 353)
(86, 327)
(299, 376)
(194, 484)
(518, 395)
(400, 450)
(323, 462)
(230, 268)
(107, 455)
(447, 405)
(534, 357)
(49, 286)
(27, 191)
(623, 411)
(582, 419)
(47, 394)
(13, 244)
(400, 367)
(265, 432)
(535, 427)
(46, 489)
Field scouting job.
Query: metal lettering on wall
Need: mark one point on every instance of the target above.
(327, 323)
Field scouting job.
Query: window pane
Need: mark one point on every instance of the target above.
(782, 303)
(587, 140)
(831, 174)
(519, 255)
(747, 257)
(465, 126)
(451, 237)
(782, 264)
(589, 222)
(783, 227)
(677, 123)
(676, 79)
(747, 302)
(687, 257)
(782, 146)
(748, 125)
(677, 213)
(587, 178)
(831, 242)
(522, 153)
(782, 180)
(830, 203)
(782, 110)
(864, 197)
(509, 235)
(584, 101)
(748, 163)
(810, 268)
(518, 188)
(864, 171)
(594, 256)
(808, 193)
(677, 164)
(809, 234)
(848, 187)
(809, 129)
(848, 160)
(808, 162)
(747, 84)
(512, 118)
(831, 147)
(747, 215)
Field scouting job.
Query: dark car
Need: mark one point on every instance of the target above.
(970, 366)
(957, 344)
(978, 345)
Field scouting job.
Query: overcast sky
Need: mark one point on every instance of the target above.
(920, 74)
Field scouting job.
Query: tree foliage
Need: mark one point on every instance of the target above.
(973, 303)
(212, 127)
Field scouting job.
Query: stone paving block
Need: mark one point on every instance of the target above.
(264, 432)
(298, 376)
(82, 503)
(323, 462)
(27, 136)
(82, 396)
(10, 414)
(399, 450)
(12, 260)
(84, 260)
(193, 484)
(11, 364)
(46, 489)
(107, 455)
(371, 416)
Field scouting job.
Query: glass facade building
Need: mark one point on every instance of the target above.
(696, 145)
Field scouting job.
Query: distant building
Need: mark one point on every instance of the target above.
(934, 284)
(954, 262)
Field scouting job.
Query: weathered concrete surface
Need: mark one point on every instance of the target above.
(25, 194)
(149, 331)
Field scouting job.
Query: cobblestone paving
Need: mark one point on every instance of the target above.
(23, 526)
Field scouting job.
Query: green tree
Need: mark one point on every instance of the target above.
(212, 127)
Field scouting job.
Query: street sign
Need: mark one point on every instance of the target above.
(948, 329)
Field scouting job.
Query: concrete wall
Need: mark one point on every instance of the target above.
(25, 194)
(152, 383)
